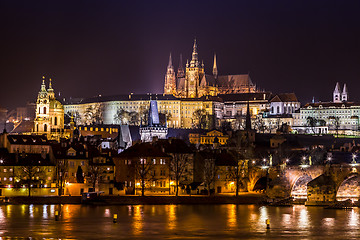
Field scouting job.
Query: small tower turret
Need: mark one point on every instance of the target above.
(344, 94)
(337, 94)
(51, 90)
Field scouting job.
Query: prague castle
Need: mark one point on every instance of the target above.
(194, 83)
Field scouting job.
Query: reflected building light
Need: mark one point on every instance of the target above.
(2, 216)
(107, 213)
(303, 218)
(138, 221)
(31, 210)
(45, 213)
(286, 220)
(52, 210)
(263, 214)
(353, 219)
(231, 216)
(328, 222)
(171, 209)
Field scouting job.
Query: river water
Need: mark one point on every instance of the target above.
(177, 222)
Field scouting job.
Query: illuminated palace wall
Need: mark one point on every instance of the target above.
(179, 112)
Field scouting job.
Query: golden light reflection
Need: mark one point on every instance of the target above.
(353, 219)
(328, 222)
(23, 209)
(231, 216)
(263, 214)
(2, 216)
(303, 218)
(171, 209)
(286, 220)
(138, 220)
(8, 211)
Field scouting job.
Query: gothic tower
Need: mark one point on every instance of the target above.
(336, 94)
(344, 94)
(194, 73)
(170, 81)
(180, 72)
(215, 70)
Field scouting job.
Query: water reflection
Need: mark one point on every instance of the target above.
(328, 222)
(303, 221)
(138, 219)
(353, 219)
(231, 216)
(187, 221)
(171, 210)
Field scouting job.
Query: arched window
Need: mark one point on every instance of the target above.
(44, 110)
(45, 128)
(39, 110)
(277, 109)
(37, 127)
(289, 109)
(55, 121)
(284, 110)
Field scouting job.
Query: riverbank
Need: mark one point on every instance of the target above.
(245, 198)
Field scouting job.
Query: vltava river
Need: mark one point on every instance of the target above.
(177, 222)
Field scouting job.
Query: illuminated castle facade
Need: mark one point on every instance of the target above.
(49, 116)
(194, 83)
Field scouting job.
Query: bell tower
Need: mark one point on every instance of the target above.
(42, 119)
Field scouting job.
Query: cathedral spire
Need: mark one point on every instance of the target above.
(194, 59)
(215, 71)
(180, 72)
(170, 62)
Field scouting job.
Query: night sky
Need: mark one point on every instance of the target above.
(116, 47)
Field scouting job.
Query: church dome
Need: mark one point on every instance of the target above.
(55, 104)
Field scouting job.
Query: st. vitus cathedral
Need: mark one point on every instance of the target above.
(194, 83)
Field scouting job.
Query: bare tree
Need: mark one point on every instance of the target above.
(209, 173)
(30, 174)
(143, 170)
(94, 174)
(178, 165)
(62, 169)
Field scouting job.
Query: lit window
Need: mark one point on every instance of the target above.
(4, 169)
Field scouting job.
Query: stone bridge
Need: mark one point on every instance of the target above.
(316, 183)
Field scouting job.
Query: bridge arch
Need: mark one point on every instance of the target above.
(349, 188)
(299, 188)
(261, 184)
